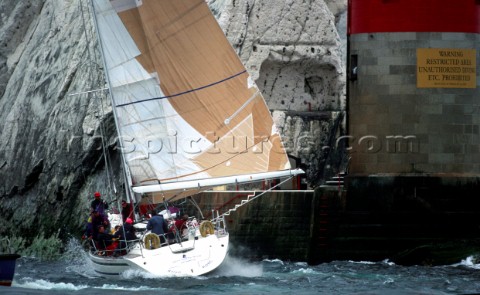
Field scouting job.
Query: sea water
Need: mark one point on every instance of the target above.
(73, 274)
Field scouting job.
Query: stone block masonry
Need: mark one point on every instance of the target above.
(385, 102)
(406, 219)
(276, 225)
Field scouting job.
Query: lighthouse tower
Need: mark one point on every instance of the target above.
(413, 119)
(413, 90)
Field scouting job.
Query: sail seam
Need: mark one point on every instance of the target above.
(184, 92)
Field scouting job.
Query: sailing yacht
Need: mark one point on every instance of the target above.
(189, 118)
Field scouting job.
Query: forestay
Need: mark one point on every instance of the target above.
(189, 115)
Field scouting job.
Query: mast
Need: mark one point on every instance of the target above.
(126, 172)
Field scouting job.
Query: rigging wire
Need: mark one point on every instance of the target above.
(221, 216)
(110, 184)
(126, 173)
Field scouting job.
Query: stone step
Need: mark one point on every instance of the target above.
(334, 182)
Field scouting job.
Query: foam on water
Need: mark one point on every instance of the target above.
(28, 283)
(305, 271)
(470, 261)
(135, 273)
(274, 261)
(120, 288)
(385, 262)
(46, 285)
(362, 262)
(388, 262)
(233, 266)
(239, 277)
(78, 261)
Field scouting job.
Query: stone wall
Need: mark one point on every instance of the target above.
(276, 225)
(396, 127)
(407, 220)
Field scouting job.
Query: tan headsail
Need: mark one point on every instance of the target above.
(186, 108)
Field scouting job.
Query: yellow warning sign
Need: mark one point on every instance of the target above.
(446, 68)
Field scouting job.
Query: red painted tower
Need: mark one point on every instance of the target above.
(394, 16)
(413, 108)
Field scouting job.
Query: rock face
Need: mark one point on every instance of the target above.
(293, 51)
(49, 147)
(51, 132)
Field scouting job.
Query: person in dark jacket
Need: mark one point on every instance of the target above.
(126, 232)
(97, 220)
(105, 240)
(127, 211)
(158, 225)
(98, 204)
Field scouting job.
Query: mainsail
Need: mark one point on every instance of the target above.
(188, 114)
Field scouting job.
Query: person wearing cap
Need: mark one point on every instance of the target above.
(129, 230)
(98, 204)
(126, 231)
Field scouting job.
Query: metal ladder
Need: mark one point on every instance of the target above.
(336, 180)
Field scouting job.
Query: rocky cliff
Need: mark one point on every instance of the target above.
(294, 52)
(55, 114)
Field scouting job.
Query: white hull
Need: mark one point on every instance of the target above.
(190, 258)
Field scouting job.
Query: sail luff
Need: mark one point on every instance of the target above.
(126, 172)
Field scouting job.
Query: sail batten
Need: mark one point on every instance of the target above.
(186, 108)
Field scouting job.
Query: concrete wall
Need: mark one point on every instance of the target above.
(408, 220)
(287, 225)
(276, 225)
(442, 123)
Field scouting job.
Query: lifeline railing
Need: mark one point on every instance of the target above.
(249, 198)
(129, 244)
